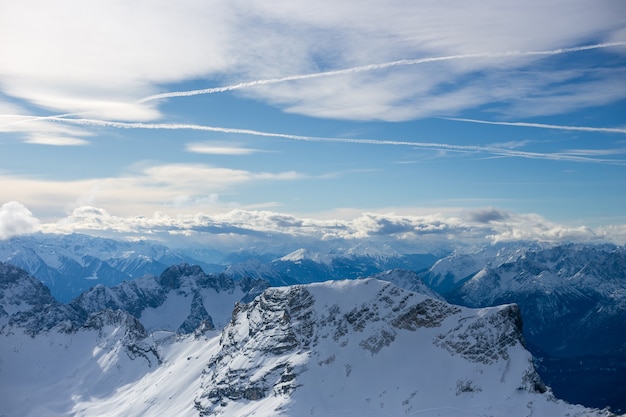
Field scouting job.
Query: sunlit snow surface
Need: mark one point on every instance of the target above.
(84, 374)
(340, 366)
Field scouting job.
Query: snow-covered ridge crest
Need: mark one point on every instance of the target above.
(379, 252)
(367, 347)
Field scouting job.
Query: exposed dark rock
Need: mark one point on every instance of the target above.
(198, 315)
(428, 313)
(487, 339)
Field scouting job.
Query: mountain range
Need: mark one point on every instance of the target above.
(358, 347)
(72, 264)
(572, 297)
(573, 301)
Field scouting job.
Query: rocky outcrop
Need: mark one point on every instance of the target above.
(184, 280)
(26, 303)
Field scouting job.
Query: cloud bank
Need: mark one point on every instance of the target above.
(244, 228)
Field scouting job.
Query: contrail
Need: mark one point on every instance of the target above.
(374, 67)
(28, 119)
(363, 68)
(560, 156)
(542, 126)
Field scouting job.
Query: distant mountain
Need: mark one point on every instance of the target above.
(449, 272)
(304, 266)
(340, 348)
(573, 301)
(71, 264)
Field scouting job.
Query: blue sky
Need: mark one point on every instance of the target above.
(506, 119)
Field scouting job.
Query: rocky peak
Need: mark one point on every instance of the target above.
(171, 277)
(287, 333)
(133, 330)
(26, 303)
(18, 287)
(183, 294)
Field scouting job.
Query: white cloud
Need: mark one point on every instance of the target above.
(78, 57)
(146, 188)
(39, 139)
(239, 227)
(219, 149)
(102, 58)
(15, 219)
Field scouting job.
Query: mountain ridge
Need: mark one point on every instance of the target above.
(320, 349)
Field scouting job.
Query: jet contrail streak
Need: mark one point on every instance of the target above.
(363, 68)
(564, 156)
(373, 67)
(28, 119)
(542, 126)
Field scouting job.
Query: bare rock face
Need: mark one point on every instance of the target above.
(26, 303)
(485, 340)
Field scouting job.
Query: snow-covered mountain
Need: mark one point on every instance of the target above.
(451, 271)
(303, 266)
(51, 373)
(181, 299)
(339, 348)
(369, 348)
(71, 264)
(573, 300)
(26, 303)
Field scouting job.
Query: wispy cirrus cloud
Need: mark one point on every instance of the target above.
(36, 130)
(377, 67)
(118, 72)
